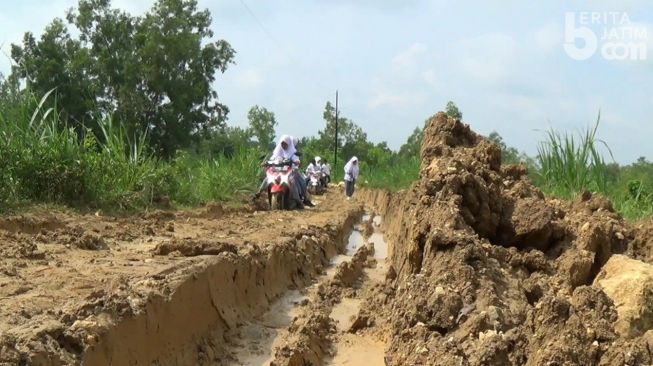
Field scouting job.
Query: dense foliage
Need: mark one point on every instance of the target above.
(154, 72)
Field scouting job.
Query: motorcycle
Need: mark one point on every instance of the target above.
(277, 174)
(316, 183)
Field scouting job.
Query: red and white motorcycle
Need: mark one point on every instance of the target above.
(277, 174)
(315, 183)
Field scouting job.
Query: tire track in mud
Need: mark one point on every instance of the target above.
(319, 323)
(172, 293)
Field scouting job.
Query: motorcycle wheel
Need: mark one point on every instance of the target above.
(278, 201)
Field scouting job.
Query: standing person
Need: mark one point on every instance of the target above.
(351, 174)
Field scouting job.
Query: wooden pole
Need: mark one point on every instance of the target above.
(335, 153)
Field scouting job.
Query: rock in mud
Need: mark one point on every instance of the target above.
(629, 283)
(576, 267)
(367, 229)
(532, 223)
(348, 273)
(91, 241)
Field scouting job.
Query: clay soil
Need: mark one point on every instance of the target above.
(481, 269)
(165, 288)
(486, 270)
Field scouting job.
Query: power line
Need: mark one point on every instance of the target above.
(282, 48)
(268, 33)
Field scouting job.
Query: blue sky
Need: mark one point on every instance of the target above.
(397, 62)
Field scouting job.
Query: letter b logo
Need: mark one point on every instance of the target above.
(572, 34)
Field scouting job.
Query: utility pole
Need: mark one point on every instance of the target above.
(335, 154)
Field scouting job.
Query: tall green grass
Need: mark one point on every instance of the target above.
(43, 159)
(571, 164)
(222, 178)
(397, 176)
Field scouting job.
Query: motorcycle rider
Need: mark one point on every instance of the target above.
(301, 182)
(284, 150)
(326, 170)
(314, 166)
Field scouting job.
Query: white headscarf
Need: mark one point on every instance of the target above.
(351, 169)
(279, 151)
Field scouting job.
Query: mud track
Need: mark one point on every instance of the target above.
(164, 288)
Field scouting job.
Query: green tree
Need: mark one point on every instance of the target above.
(453, 111)
(153, 72)
(509, 155)
(57, 61)
(262, 123)
(414, 143)
(226, 140)
(349, 133)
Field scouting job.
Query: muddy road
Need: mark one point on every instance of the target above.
(472, 265)
(165, 288)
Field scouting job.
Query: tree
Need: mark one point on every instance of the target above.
(348, 131)
(509, 155)
(414, 142)
(453, 111)
(153, 72)
(262, 123)
(59, 62)
(227, 141)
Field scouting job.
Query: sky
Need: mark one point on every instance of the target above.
(395, 63)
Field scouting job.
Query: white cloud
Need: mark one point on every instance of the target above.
(394, 99)
(409, 57)
(488, 58)
(432, 79)
(132, 7)
(549, 37)
(250, 79)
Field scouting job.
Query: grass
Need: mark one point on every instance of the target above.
(43, 160)
(567, 165)
(571, 164)
(394, 177)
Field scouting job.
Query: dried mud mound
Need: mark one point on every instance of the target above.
(487, 271)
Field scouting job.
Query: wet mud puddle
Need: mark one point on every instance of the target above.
(256, 342)
(354, 349)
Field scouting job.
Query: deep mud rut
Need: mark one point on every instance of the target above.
(283, 335)
(165, 288)
(472, 265)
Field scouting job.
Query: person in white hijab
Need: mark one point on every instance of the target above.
(285, 148)
(314, 166)
(351, 174)
(297, 176)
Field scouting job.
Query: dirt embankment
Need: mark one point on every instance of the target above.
(488, 271)
(165, 288)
